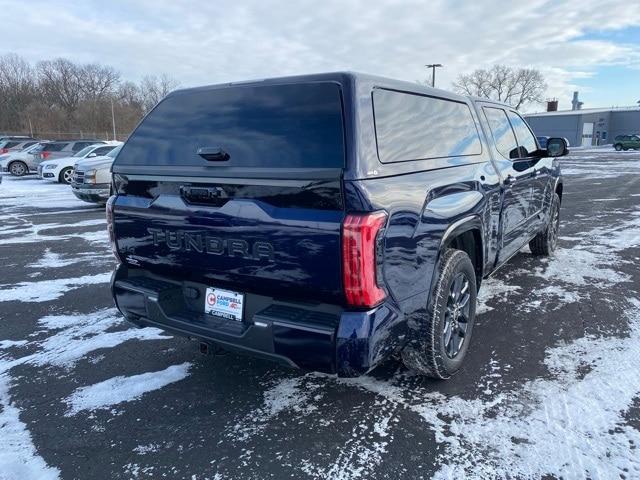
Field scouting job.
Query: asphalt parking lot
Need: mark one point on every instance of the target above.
(551, 386)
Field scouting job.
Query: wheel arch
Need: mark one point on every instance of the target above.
(559, 188)
(466, 234)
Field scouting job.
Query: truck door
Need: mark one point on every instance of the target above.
(517, 175)
(540, 165)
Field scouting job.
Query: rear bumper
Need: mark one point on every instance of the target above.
(312, 337)
(98, 193)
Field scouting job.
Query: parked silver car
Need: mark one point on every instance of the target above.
(49, 151)
(15, 145)
(92, 178)
(16, 161)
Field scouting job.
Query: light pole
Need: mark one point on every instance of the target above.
(113, 120)
(433, 67)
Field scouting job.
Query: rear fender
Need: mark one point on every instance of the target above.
(465, 224)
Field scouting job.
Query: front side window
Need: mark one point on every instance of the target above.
(502, 133)
(524, 137)
(410, 126)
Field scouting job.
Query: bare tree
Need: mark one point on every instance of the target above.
(17, 89)
(59, 98)
(514, 87)
(97, 80)
(60, 84)
(155, 88)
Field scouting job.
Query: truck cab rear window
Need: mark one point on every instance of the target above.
(257, 126)
(415, 127)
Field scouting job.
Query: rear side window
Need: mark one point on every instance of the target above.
(54, 147)
(502, 132)
(11, 144)
(272, 126)
(80, 145)
(103, 150)
(416, 127)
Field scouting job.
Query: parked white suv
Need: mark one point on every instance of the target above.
(61, 169)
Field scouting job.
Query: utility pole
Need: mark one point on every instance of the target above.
(113, 120)
(433, 67)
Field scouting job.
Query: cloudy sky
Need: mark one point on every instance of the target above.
(587, 45)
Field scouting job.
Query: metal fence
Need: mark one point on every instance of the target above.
(121, 136)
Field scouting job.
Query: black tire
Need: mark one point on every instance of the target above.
(66, 175)
(431, 354)
(545, 242)
(618, 147)
(18, 169)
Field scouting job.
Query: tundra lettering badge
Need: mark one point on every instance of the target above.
(184, 241)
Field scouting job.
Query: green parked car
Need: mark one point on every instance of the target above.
(625, 142)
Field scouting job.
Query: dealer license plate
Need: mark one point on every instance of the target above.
(224, 303)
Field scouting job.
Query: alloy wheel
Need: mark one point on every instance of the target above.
(17, 169)
(67, 175)
(456, 317)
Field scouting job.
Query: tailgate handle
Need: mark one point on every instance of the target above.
(213, 154)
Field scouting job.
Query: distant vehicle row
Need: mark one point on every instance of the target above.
(83, 164)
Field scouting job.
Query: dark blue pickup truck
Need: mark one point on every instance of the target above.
(326, 221)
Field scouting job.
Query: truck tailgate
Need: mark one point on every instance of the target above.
(263, 239)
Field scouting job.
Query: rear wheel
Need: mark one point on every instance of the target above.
(18, 169)
(544, 243)
(66, 175)
(444, 339)
(618, 147)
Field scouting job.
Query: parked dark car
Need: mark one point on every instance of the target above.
(327, 221)
(626, 142)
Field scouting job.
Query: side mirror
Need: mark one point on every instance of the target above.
(557, 147)
(91, 155)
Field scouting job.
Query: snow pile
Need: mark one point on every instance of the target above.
(18, 456)
(46, 290)
(291, 394)
(123, 389)
(24, 192)
(569, 426)
(4, 344)
(80, 335)
(364, 451)
(36, 233)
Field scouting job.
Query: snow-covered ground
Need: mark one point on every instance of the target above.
(551, 388)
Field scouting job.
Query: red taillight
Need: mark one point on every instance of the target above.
(5, 150)
(44, 155)
(110, 227)
(359, 262)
